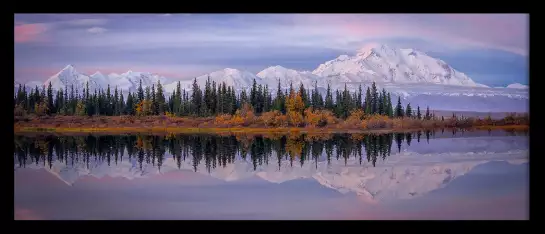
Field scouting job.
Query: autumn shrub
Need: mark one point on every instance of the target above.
(295, 119)
(18, 110)
(222, 119)
(40, 109)
(312, 118)
(378, 122)
(272, 118)
(328, 118)
(354, 119)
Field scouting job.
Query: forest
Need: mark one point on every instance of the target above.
(218, 105)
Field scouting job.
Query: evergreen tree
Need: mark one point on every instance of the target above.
(368, 102)
(408, 110)
(121, 104)
(253, 95)
(196, 99)
(177, 102)
(304, 95)
(399, 108)
(154, 103)
(50, 107)
(160, 99)
(129, 108)
(374, 99)
(358, 101)
(428, 116)
(329, 99)
(266, 96)
(140, 92)
(380, 104)
(390, 109)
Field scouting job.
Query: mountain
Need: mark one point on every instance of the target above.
(127, 81)
(382, 63)
(517, 86)
(232, 77)
(271, 75)
(411, 75)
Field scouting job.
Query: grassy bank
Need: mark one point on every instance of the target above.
(223, 124)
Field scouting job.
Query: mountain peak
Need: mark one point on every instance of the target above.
(69, 67)
(373, 47)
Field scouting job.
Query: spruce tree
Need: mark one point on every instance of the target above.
(408, 110)
(50, 106)
(154, 104)
(368, 102)
(399, 109)
(418, 114)
(160, 99)
(390, 108)
(359, 97)
(177, 105)
(121, 105)
(196, 99)
(140, 92)
(329, 99)
(428, 116)
(374, 99)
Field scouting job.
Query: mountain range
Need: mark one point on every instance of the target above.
(409, 74)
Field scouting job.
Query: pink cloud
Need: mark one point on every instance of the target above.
(29, 32)
(26, 214)
(508, 32)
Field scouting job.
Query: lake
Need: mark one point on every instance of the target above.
(443, 174)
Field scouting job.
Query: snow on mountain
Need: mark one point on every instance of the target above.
(271, 75)
(231, 77)
(127, 81)
(517, 86)
(382, 63)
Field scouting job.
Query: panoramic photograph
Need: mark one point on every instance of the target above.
(182, 116)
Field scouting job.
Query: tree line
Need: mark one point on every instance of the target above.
(214, 99)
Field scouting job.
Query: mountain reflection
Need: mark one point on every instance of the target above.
(360, 163)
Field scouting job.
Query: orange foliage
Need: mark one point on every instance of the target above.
(274, 118)
(295, 119)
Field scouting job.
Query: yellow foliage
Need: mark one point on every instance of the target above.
(274, 118)
(80, 108)
(295, 103)
(40, 108)
(295, 119)
(143, 108)
(170, 114)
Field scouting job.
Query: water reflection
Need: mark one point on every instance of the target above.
(345, 162)
(377, 168)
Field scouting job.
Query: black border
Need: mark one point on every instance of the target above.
(291, 7)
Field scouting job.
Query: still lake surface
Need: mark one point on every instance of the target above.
(422, 175)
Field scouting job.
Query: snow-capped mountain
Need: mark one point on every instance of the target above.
(407, 73)
(231, 77)
(271, 75)
(382, 63)
(69, 76)
(517, 86)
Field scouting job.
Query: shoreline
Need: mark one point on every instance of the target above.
(250, 130)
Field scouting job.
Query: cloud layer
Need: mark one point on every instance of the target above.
(190, 45)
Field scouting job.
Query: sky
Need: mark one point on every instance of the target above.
(491, 48)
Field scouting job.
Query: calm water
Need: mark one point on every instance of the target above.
(421, 175)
